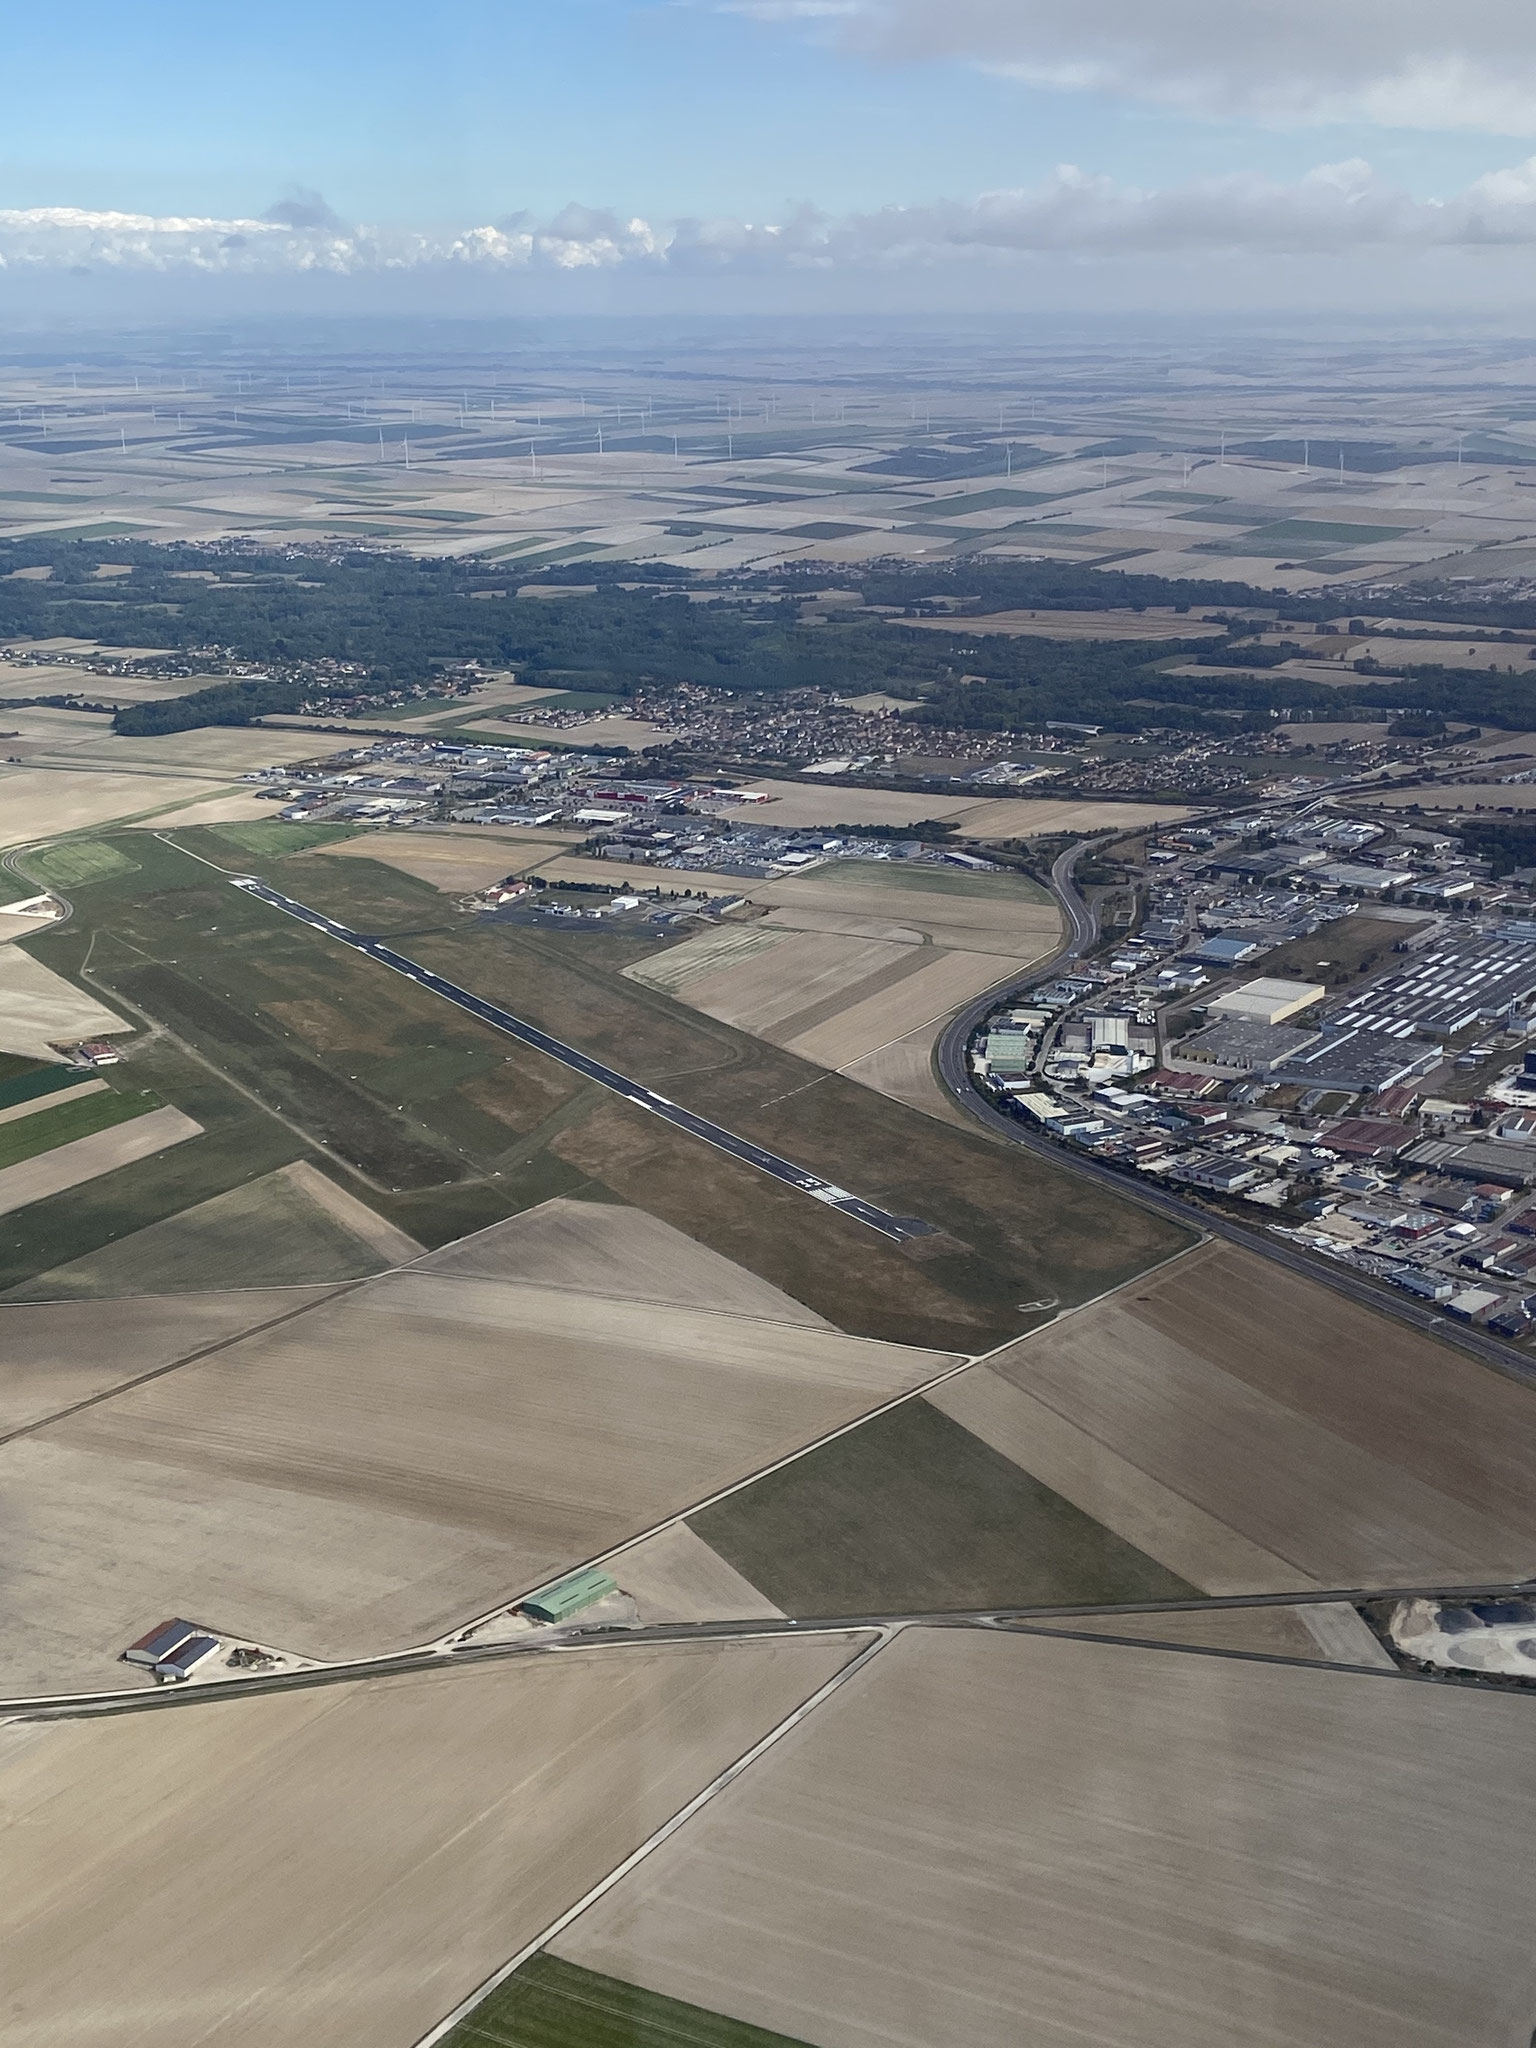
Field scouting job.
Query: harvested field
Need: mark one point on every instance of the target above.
(403, 1455)
(1024, 817)
(210, 749)
(40, 803)
(83, 1159)
(453, 861)
(62, 1118)
(60, 1353)
(903, 1070)
(1124, 1844)
(911, 1513)
(38, 1006)
(1255, 1432)
(699, 959)
(1310, 1634)
(986, 913)
(602, 1248)
(930, 995)
(513, 1789)
(802, 973)
(675, 1576)
(284, 1228)
(1057, 625)
(1457, 796)
(235, 808)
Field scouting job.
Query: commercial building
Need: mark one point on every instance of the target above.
(1267, 1001)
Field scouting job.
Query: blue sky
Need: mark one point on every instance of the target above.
(447, 117)
(464, 110)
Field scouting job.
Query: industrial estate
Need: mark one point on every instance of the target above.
(768, 1269)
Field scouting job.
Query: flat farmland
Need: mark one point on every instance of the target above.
(60, 1353)
(38, 1006)
(912, 1513)
(972, 913)
(398, 1457)
(1058, 625)
(1127, 1845)
(603, 1248)
(859, 965)
(928, 995)
(797, 804)
(452, 861)
(1256, 1433)
(550, 2004)
(512, 1790)
(280, 1229)
(1456, 796)
(67, 1166)
(673, 1575)
(41, 803)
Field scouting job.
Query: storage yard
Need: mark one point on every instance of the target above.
(1181, 1850)
(166, 1864)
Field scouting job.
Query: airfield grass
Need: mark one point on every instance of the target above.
(552, 2004)
(267, 1233)
(910, 1513)
(30, 1136)
(273, 837)
(74, 861)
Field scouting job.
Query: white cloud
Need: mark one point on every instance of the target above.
(1421, 64)
(1337, 209)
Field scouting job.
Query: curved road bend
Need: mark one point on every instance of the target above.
(954, 1071)
(899, 1228)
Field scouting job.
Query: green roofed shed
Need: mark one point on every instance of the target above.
(569, 1596)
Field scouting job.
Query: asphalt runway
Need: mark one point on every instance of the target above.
(901, 1228)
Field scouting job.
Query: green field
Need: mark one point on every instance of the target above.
(272, 836)
(551, 2004)
(265, 1234)
(72, 862)
(30, 1135)
(910, 1513)
(25, 1084)
(1285, 530)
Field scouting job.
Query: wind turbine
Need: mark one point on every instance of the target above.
(533, 461)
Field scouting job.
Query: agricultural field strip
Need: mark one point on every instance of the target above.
(957, 1829)
(84, 1159)
(900, 1228)
(57, 1100)
(579, 1764)
(950, 1372)
(855, 1663)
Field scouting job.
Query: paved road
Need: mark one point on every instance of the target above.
(901, 1228)
(954, 1071)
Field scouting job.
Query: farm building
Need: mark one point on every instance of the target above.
(567, 1597)
(160, 1643)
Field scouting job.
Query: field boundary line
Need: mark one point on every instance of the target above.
(857, 1663)
(966, 1364)
(175, 1365)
